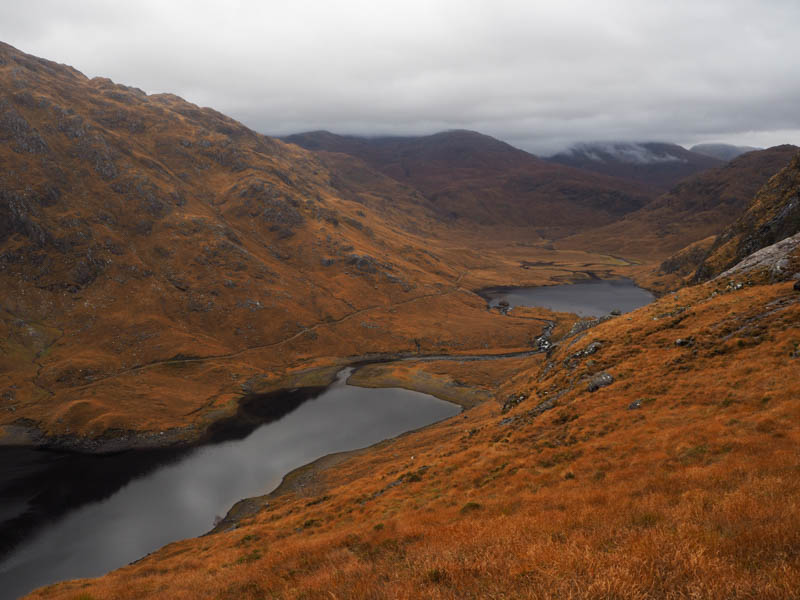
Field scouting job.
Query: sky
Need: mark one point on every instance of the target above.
(541, 75)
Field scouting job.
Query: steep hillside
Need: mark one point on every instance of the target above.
(722, 151)
(475, 179)
(773, 215)
(696, 208)
(652, 455)
(658, 165)
(158, 260)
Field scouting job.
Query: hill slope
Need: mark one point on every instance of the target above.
(773, 215)
(143, 235)
(696, 208)
(655, 164)
(722, 151)
(477, 179)
(674, 479)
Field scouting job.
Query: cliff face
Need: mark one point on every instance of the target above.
(773, 215)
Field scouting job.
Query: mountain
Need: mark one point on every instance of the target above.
(655, 164)
(772, 216)
(161, 262)
(721, 151)
(697, 208)
(473, 178)
(143, 235)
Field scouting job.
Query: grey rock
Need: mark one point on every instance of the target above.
(774, 258)
(512, 401)
(600, 380)
(251, 305)
(14, 128)
(592, 348)
(635, 405)
(688, 341)
(365, 263)
(543, 406)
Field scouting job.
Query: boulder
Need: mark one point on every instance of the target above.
(600, 380)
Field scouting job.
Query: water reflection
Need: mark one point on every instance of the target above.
(181, 499)
(589, 298)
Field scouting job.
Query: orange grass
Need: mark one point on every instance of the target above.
(693, 495)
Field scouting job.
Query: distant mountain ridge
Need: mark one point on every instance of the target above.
(476, 178)
(656, 164)
(695, 209)
(722, 151)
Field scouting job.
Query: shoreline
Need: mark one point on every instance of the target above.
(28, 435)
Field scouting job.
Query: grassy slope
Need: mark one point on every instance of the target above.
(144, 235)
(691, 495)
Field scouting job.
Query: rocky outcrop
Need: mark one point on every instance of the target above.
(779, 261)
(773, 215)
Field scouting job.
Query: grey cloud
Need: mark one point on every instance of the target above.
(541, 75)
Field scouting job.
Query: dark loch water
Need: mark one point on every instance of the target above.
(82, 516)
(591, 298)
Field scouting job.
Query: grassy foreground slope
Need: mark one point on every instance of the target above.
(677, 479)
